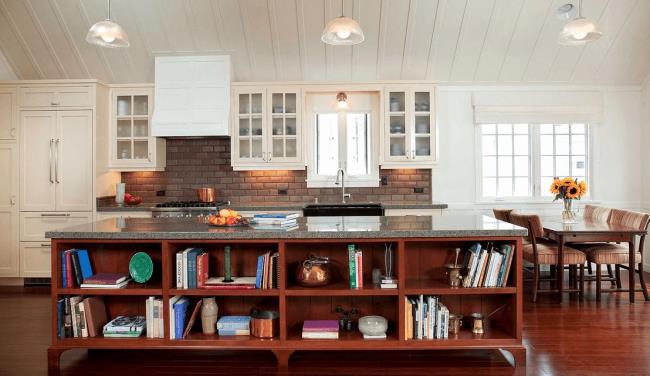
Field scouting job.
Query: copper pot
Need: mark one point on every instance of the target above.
(206, 194)
(313, 272)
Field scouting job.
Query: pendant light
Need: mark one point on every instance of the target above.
(342, 31)
(107, 33)
(342, 100)
(580, 31)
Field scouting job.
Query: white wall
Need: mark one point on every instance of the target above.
(615, 150)
(6, 73)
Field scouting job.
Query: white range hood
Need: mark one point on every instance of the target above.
(192, 96)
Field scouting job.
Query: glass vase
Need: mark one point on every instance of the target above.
(568, 214)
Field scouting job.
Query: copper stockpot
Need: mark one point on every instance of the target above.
(206, 194)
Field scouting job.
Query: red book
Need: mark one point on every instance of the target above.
(201, 269)
(68, 265)
(359, 270)
(106, 279)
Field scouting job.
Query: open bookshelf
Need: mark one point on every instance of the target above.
(418, 266)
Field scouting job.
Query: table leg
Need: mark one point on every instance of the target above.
(560, 267)
(631, 271)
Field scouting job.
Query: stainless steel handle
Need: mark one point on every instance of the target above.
(12, 132)
(56, 162)
(264, 157)
(50, 157)
(54, 103)
(45, 245)
(55, 214)
(149, 157)
(269, 157)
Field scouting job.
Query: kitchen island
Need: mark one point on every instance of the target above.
(422, 246)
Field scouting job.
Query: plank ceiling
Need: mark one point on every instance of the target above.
(513, 41)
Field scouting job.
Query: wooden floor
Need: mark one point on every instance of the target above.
(573, 338)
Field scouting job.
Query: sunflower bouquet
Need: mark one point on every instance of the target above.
(568, 188)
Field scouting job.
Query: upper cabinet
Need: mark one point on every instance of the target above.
(8, 113)
(409, 132)
(132, 147)
(57, 96)
(266, 130)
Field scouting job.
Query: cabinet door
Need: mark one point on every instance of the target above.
(396, 140)
(33, 225)
(8, 114)
(283, 136)
(8, 210)
(250, 129)
(37, 139)
(73, 170)
(422, 129)
(35, 259)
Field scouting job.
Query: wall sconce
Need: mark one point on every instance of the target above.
(342, 100)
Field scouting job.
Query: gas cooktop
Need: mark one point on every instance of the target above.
(191, 204)
(186, 208)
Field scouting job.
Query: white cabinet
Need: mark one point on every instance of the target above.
(409, 134)
(267, 129)
(57, 96)
(35, 259)
(9, 209)
(122, 214)
(34, 225)
(56, 154)
(132, 148)
(8, 114)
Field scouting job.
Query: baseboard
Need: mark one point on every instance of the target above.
(11, 282)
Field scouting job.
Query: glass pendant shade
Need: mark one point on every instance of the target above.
(579, 32)
(342, 31)
(107, 34)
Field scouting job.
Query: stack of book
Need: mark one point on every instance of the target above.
(355, 261)
(78, 317)
(234, 326)
(106, 281)
(286, 222)
(426, 318)
(177, 312)
(268, 271)
(191, 268)
(320, 329)
(237, 283)
(125, 327)
(154, 316)
(388, 283)
(75, 267)
(489, 266)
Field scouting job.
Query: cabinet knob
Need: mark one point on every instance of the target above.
(12, 133)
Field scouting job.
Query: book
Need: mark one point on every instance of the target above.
(191, 267)
(125, 326)
(158, 312)
(106, 279)
(172, 300)
(276, 216)
(275, 270)
(67, 319)
(275, 221)
(69, 271)
(95, 311)
(202, 272)
(84, 264)
(184, 261)
(74, 302)
(320, 326)
(320, 335)
(64, 271)
(60, 313)
(217, 281)
(149, 316)
(237, 332)
(76, 266)
(508, 263)
(179, 270)
(190, 322)
(265, 227)
(180, 310)
(100, 286)
(260, 271)
(229, 286)
(358, 258)
(233, 323)
(388, 285)
(352, 266)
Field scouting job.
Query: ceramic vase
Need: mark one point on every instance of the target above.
(209, 313)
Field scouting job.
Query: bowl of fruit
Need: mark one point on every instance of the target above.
(227, 218)
(132, 200)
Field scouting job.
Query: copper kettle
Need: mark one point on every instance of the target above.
(314, 271)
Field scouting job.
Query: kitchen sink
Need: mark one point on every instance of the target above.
(335, 210)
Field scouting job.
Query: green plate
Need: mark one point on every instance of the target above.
(141, 267)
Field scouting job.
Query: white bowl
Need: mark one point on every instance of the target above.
(373, 325)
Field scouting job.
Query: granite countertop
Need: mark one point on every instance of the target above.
(308, 228)
(261, 207)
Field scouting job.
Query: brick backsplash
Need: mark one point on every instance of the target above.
(205, 162)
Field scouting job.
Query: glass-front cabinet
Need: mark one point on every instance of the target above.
(409, 134)
(267, 134)
(132, 148)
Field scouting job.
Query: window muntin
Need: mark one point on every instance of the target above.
(505, 160)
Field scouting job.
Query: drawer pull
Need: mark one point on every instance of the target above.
(44, 245)
(55, 214)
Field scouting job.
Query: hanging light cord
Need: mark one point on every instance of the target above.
(579, 8)
(109, 10)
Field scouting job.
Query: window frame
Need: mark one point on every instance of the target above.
(534, 164)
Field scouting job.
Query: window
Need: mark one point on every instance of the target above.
(519, 161)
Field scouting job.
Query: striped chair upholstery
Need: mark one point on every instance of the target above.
(502, 214)
(597, 213)
(609, 253)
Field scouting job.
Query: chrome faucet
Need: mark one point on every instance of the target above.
(344, 195)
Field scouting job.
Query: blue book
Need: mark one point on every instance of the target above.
(260, 272)
(505, 251)
(59, 317)
(84, 263)
(234, 323)
(180, 308)
(64, 271)
(191, 267)
(276, 216)
(240, 332)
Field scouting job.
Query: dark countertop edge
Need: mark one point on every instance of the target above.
(145, 207)
(270, 235)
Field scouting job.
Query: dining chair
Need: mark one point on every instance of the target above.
(619, 254)
(539, 250)
(502, 214)
(597, 213)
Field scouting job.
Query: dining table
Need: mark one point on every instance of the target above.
(588, 231)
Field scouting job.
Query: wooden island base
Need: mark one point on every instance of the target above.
(418, 264)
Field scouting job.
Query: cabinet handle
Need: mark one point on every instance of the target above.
(264, 157)
(12, 133)
(50, 157)
(56, 162)
(269, 157)
(149, 157)
(54, 103)
(55, 214)
(12, 200)
(45, 245)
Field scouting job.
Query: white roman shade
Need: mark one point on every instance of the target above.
(537, 107)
